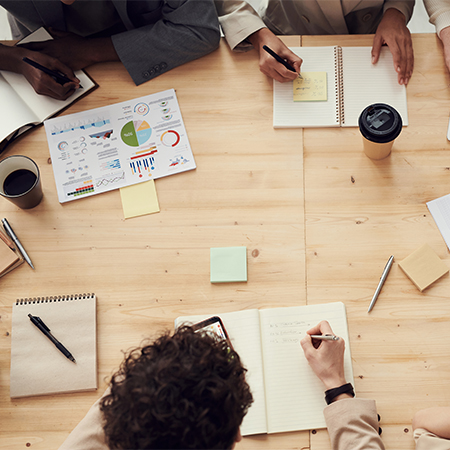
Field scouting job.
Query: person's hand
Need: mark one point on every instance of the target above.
(326, 358)
(75, 51)
(445, 38)
(393, 32)
(12, 60)
(268, 64)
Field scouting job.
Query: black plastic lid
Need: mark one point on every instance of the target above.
(380, 123)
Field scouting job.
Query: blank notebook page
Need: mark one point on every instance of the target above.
(366, 83)
(294, 395)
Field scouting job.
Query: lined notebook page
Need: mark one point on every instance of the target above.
(290, 114)
(37, 366)
(243, 329)
(294, 395)
(366, 83)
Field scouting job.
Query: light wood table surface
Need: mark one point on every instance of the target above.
(318, 218)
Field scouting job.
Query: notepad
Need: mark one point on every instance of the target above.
(37, 366)
(26, 109)
(423, 267)
(312, 87)
(9, 259)
(353, 83)
(228, 264)
(287, 394)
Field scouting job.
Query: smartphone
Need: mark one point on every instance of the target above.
(213, 325)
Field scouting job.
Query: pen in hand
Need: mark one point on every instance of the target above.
(325, 337)
(37, 321)
(280, 59)
(57, 76)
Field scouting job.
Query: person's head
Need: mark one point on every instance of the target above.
(183, 391)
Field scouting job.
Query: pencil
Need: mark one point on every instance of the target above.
(325, 337)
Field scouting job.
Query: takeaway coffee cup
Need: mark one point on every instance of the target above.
(379, 124)
(20, 181)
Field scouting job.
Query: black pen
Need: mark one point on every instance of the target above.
(280, 59)
(46, 330)
(57, 76)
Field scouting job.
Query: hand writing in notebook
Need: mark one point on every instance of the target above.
(326, 357)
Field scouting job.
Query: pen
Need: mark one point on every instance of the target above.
(46, 330)
(5, 239)
(280, 59)
(57, 76)
(12, 235)
(384, 275)
(325, 337)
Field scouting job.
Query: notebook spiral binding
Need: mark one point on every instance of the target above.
(57, 298)
(339, 87)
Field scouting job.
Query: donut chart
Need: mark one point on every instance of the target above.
(136, 133)
(170, 138)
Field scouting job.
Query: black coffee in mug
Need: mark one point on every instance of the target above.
(19, 182)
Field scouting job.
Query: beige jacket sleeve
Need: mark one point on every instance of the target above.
(238, 20)
(353, 423)
(88, 434)
(439, 12)
(429, 441)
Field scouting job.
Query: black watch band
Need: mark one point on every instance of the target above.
(331, 394)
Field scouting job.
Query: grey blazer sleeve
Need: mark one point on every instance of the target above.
(185, 30)
(353, 424)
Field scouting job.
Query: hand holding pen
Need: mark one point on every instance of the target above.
(285, 66)
(325, 356)
(48, 76)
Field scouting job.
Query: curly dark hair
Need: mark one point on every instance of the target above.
(184, 391)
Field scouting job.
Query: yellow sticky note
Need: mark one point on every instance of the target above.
(312, 88)
(423, 267)
(139, 199)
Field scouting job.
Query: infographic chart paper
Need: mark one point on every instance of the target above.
(118, 145)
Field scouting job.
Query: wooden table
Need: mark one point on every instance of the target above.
(318, 218)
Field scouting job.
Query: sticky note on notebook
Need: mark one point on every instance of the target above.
(228, 264)
(139, 199)
(312, 88)
(423, 267)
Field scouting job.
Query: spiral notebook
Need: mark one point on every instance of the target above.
(37, 366)
(353, 83)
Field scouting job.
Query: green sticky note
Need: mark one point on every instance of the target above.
(228, 264)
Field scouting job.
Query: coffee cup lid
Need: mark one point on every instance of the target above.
(380, 123)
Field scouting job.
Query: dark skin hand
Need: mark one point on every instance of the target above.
(12, 60)
(75, 51)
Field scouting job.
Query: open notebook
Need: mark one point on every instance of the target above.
(37, 366)
(353, 83)
(26, 109)
(287, 394)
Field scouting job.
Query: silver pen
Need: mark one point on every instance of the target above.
(325, 337)
(15, 239)
(384, 275)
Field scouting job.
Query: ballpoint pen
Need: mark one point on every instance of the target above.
(12, 235)
(280, 59)
(325, 337)
(57, 76)
(384, 275)
(46, 330)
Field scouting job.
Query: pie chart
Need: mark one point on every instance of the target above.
(136, 133)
